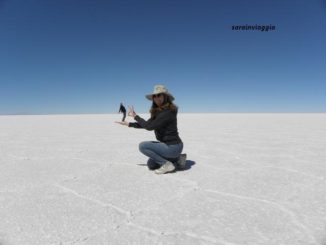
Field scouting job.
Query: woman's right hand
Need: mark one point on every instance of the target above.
(123, 123)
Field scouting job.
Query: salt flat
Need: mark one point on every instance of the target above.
(80, 179)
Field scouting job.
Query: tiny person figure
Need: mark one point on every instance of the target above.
(123, 110)
(165, 154)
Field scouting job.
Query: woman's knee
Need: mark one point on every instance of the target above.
(143, 145)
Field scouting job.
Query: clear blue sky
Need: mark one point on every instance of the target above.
(87, 56)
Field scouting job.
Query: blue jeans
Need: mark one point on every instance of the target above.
(159, 152)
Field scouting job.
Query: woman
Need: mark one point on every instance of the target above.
(165, 154)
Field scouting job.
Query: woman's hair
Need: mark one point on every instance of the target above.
(167, 104)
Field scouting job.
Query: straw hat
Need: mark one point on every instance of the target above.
(159, 89)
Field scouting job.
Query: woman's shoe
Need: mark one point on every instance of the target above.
(167, 167)
(181, 162)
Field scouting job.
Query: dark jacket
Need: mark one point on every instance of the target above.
(164, 125)
(122, 109)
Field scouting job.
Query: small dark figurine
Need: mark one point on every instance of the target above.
(123, 110)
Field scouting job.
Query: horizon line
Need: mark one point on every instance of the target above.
(261, 112)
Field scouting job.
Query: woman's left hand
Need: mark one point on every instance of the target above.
(131, 112)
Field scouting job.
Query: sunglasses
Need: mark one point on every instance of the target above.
(156, 95)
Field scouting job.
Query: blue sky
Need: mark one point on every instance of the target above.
(87, 56)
